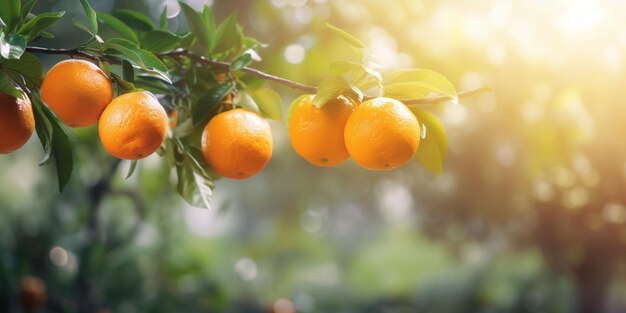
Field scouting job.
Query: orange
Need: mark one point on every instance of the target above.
(16, 122)
(382, 134)
(237, 143)
(77, 91)
(32, 294)
(318, 134)
(133, 125)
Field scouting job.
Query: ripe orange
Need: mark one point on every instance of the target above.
(237, 143)
(16, 122)
(133, 125)
(77, 91)
(382, 134)
(32, 294)
(318, 134)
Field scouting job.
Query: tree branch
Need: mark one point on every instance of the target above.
(251, 71)
(70, 52)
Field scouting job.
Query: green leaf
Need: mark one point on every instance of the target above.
(249, 81)
(199, 164)
(131, 169)
(431, 152)
(11, 14)
(360, 75)
(269, 102)
(247, 102)
(12, 46)
(28, 66)
(141, 58)
(124, 85)
(330, 87)
(39, 23)
(27, 7)
(128, 72)
(241, 62)
(60, 146)
(198, 27)
(417, 83)
(208, 101)
(43, 128)
(46, 34)
(119, 26)
(7, 86)
(346, 36)
(194, 188)
(229, 35)
(158, 41)
(163, 19)
(294, 105)
(91, 18)
(134, 19)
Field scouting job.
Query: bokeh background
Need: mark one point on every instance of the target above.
(529, 215)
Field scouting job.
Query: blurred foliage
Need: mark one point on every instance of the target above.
(528, 216)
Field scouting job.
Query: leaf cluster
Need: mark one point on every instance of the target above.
(196, 74)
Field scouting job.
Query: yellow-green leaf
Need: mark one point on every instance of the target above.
(269, 102)
(346, 36)
(422, 81)
(434, 144)
(329, 88)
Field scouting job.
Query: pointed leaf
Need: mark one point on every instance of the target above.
(163, 19)
(28, 66)
(428, 81)
(43, 127)
(198, 29)
(91, 17)
(431, 152)
(131, 169)
(412, 90)
(157, 41)
(269, 102)
(7, 86)
(346, 36)
(330, 87)
(119, 26)
(195, 189)
(60, 146)
(241, 62)
(11, 13)
(39, 23)
(134, 19)
(229, 35)
(209, 101)
(12, 46)
(141, 58)
(27, 7)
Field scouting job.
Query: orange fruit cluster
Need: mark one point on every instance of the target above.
(131, 126)
(379, 134)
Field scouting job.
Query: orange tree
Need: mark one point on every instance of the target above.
(131, 83)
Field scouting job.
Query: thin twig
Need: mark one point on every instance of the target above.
(254, 72)
(247, 70)
(70, 52)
